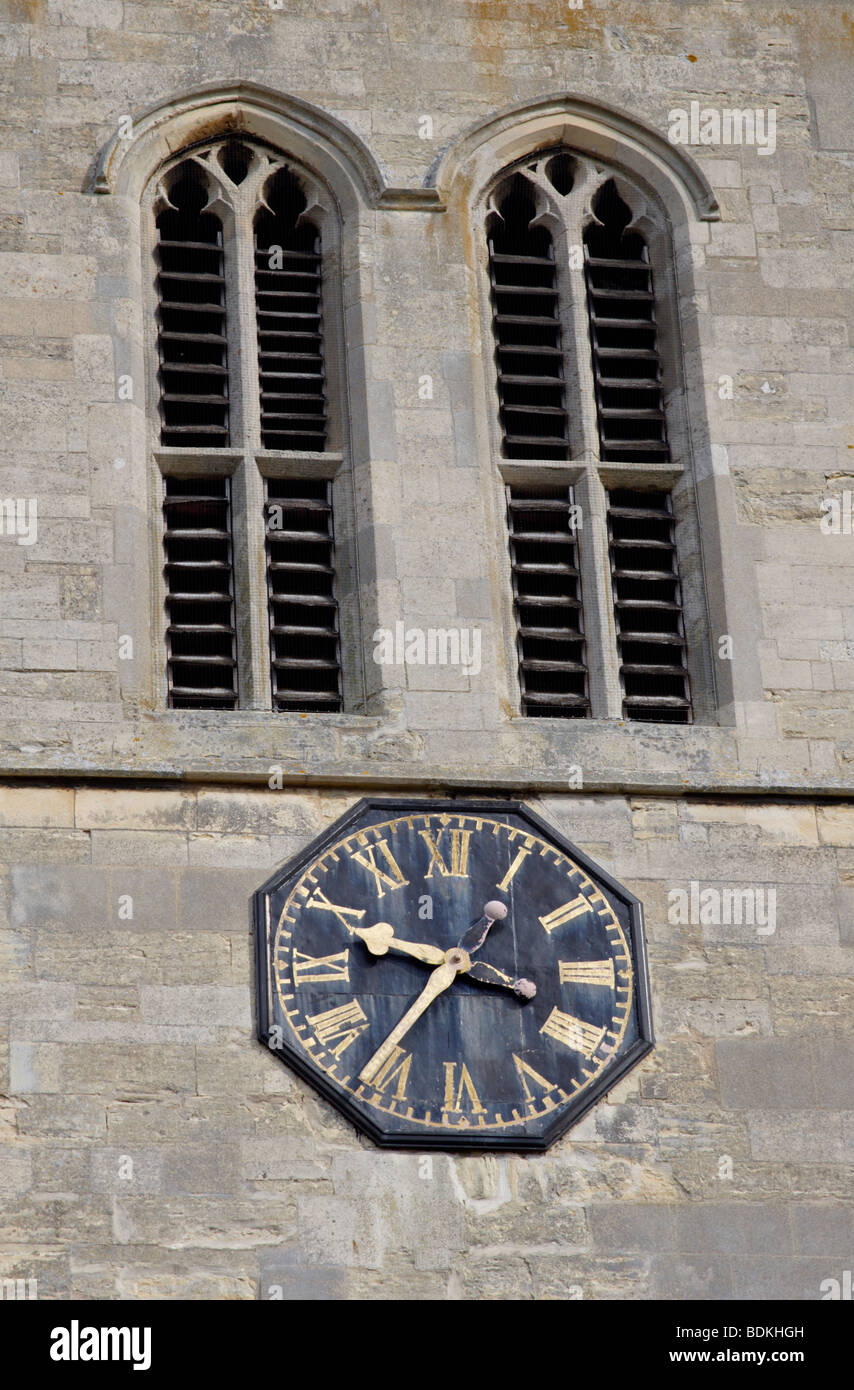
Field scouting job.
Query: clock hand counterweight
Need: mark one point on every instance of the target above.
(380, 938)
(473, 938)
(441, 977)
(490, 975)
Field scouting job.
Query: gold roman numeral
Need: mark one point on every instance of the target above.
(574, 908)
(586, 972)
(345, 1021)
(512, 871)
(525, 1072)
(320, 900)
(459, 853)
(396, 1065)
(320, 970)
(454, 1091)
(394, 877)
(573, 1032)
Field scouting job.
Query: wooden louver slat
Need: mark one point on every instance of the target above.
(624, 337)
(201, 656)
(303, 608)
(648, 607)
(527, 329)
(192, 343)
(289, 310)
(547, 601)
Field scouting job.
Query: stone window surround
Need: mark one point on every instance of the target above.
(682, 204)
(566, 219)
(352, 747)
(245, 461)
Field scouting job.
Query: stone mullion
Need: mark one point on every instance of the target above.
(606, 701)
(249, 526)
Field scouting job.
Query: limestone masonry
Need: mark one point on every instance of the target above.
(150, 1146)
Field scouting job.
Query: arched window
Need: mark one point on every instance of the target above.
(250, 428)
(529, 345)
(586, 369)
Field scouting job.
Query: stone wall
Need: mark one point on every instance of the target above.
(722, 1166)
(134, 1039)
(765, 299)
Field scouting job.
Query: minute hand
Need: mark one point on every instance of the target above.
(441, 977)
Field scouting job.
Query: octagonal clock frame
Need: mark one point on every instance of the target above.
(316, 1044)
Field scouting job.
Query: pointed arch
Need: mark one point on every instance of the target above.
(594, 128)
(565, 147)
(288, 123)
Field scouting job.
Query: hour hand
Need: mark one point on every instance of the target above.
(491, 975)
(380, 939)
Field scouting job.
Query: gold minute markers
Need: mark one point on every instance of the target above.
(346, 1019)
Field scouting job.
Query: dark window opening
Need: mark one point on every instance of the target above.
(304, 639)
(191, 318)
(201, 657)
(547, 600)
(235, 160)
(290, 324)
(623, 335)
(648, 607)
(526, 324)
(560, 171)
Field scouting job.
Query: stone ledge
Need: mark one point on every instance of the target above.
(377, 751)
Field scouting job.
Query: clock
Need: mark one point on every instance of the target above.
(452, 974)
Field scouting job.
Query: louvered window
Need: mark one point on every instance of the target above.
(547, 599)
(623, 334)
(288, 268)
(648, 607)
(250, 431)
(303, 608)
(200, 637)
(191, 337)
(527, 328)
(568, 264)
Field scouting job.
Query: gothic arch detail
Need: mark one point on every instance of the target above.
(285, 122)
(600, 131)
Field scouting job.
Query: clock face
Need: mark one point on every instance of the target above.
(452, 974)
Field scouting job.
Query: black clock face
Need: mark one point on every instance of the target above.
(452, 974)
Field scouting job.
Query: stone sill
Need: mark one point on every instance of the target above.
(376, 751)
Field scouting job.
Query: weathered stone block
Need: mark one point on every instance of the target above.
(627, 1227)
(36, 806)
(193, 1222)
(124, 1173)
